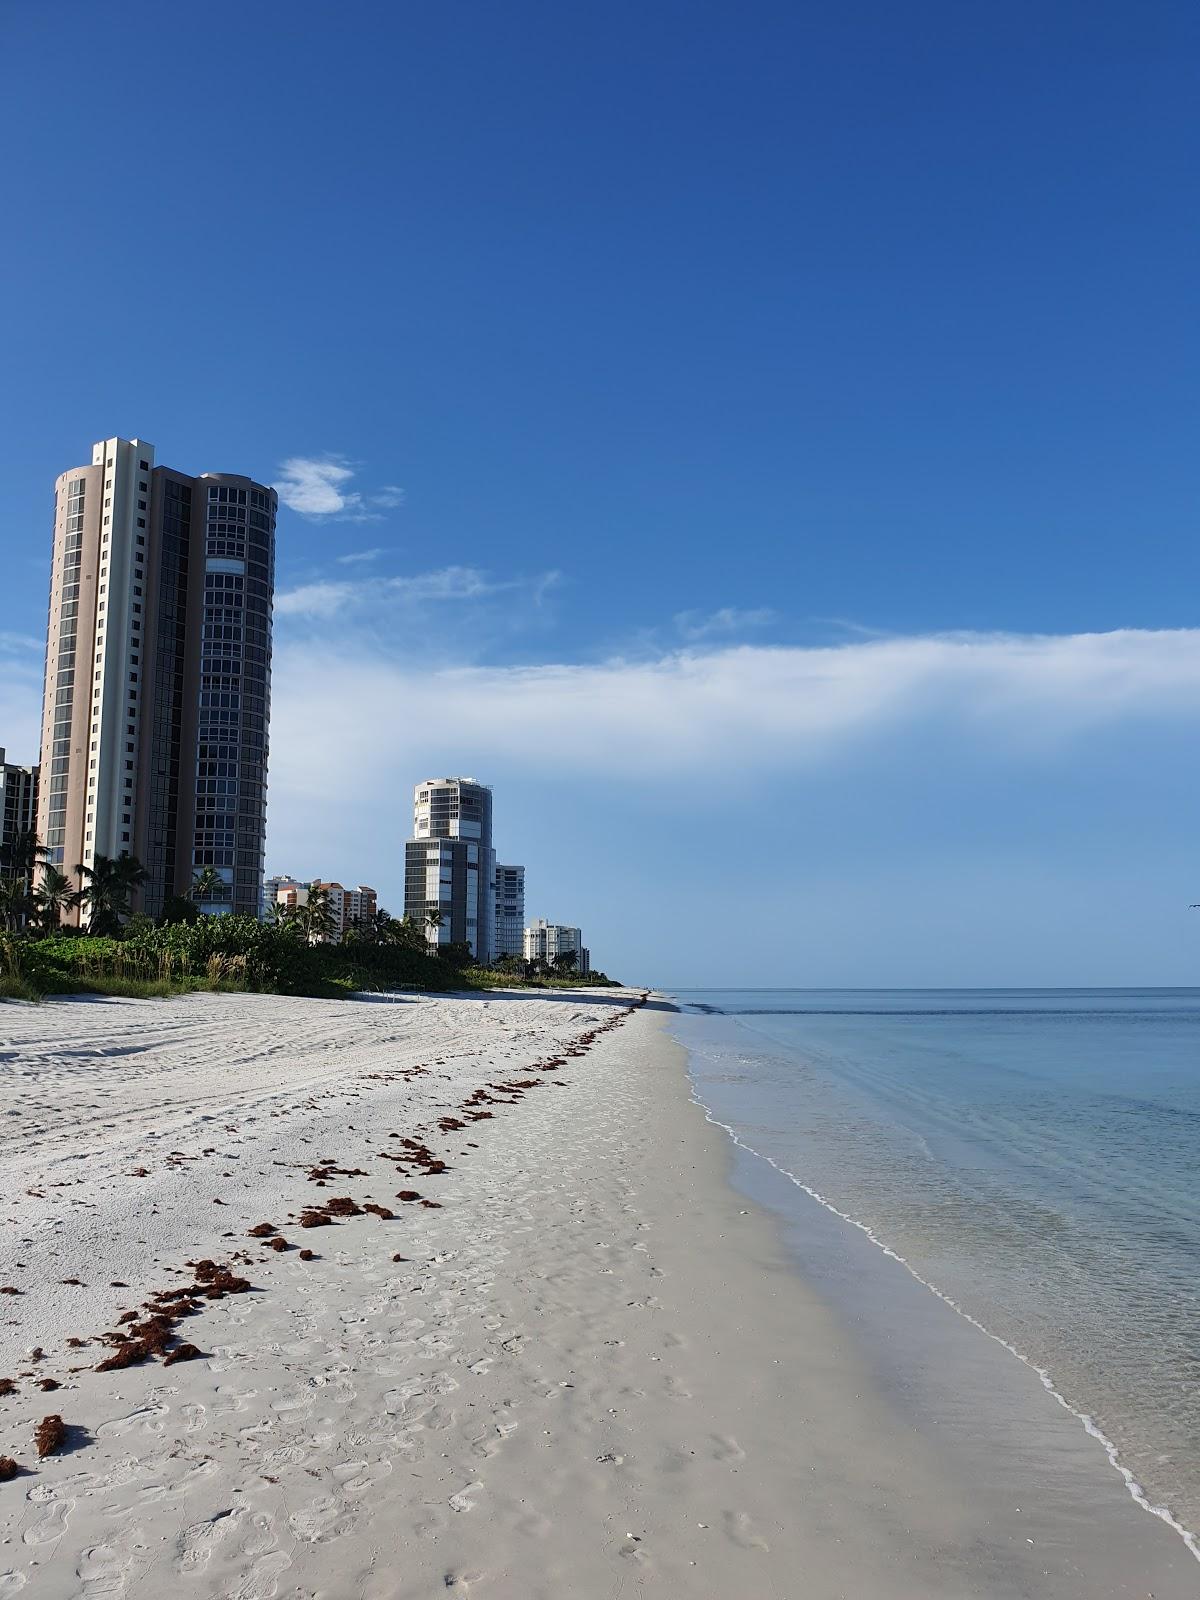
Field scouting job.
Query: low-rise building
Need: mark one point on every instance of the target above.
(348, 908)
(544, 941)
(274, 892)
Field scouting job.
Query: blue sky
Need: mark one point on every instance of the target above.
(722, 428)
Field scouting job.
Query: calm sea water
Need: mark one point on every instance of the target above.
(1034, 1154)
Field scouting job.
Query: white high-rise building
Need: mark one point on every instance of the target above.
(546, 940)
(510, 911)
(450, 865)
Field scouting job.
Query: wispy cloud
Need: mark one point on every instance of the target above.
(21, 694)
(327, 598)
(318, 487)
(728, 621)
(21, 644)
(354, 557)
(774, 709)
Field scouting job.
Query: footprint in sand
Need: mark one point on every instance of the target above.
(50, 1525)
(742, 1531)
(102, 1573)
(262, 1583)
(194, 1418)
(727, 1449)
(461, 1581)
(10, 1583)
(145, 1417)
(464, 1499)
(197, 1543)
(323, 1519)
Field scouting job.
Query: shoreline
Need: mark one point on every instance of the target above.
(598, 1366)
(1136, 1493)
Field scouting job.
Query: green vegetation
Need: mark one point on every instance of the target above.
(224, 952)
(134, 956)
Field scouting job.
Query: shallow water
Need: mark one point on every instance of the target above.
(1034, 1154)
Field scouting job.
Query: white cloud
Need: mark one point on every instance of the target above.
(697, 625)
(706, 713)
(353, 557)
(314, 487)
(381, 596)
(314, 600)
(21, 644)
(318, 487)
(21, 695)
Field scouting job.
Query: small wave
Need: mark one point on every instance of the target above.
(1131, 1483)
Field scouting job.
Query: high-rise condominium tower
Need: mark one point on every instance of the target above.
(158, 674)
(18, 809)
(450, 866)
(510, 910)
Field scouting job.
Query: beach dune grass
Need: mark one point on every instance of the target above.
(231, 954)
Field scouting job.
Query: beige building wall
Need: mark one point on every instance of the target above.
(95, 660)
(148, 567)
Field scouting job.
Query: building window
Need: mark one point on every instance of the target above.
(145, 466)
(141, 522)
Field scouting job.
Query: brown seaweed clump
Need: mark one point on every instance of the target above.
(408, 1194)
(379, 1211)
(8, 1386)
(8, 1468)
(182, 1352)
(262, 1230)
(49, 1434)
(308, 1255)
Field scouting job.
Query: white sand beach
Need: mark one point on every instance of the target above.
(587, 1368)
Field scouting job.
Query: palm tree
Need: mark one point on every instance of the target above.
(208, 884)
(107, 887)
(131, 875)
(55, 895)
(22, 856)
(433, 921)
(13, 901)
(316, 917)
(19, 861)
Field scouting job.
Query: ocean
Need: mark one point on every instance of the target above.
(1032, 1156)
